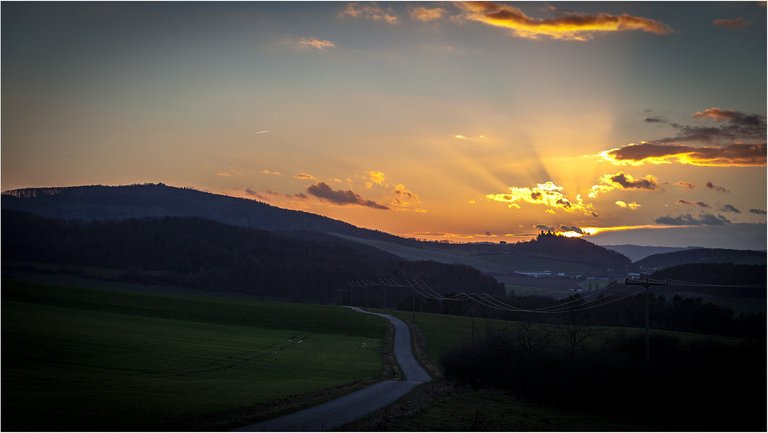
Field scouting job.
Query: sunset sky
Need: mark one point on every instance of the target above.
(634, 123)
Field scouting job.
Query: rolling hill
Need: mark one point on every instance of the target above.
(98, 203)
(639, 252)
(205, 254)
(702, 255)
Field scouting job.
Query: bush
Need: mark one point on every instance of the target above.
(686, 378)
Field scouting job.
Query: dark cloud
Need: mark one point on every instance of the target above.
(698, 203)
(729, 208)
(322, 191)
(544, 227)
(757, 211)
(711, 185)
(737, 140)
(256, 194)
(655, 119)
(627, 182)
(732, 116)
(729, 155)
(566, 26)
(706, 219)
(301, 195)
(566, 228)
(487, 233)
(731, 23)
(304, 176)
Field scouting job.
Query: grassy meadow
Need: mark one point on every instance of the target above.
(85, 359)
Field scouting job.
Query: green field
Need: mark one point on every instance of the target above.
(83, 359)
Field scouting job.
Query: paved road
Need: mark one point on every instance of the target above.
(356, 405)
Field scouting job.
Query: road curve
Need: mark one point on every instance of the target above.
(351, 407)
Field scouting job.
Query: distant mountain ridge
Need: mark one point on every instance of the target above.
(702, 255)
(639, 252)
(98, 202)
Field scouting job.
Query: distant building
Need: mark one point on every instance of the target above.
(542, 274)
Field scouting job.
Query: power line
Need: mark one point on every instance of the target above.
(487, 300)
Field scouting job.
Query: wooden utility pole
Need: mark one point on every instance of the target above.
(647, 283)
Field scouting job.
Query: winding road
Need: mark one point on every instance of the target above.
(351, 407)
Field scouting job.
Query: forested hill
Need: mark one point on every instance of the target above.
(702, 255)
(99, 202)
(96, 203)
(199, 253)
(575, 249)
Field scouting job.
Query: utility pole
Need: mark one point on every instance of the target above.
(474, 313)
(647, 283)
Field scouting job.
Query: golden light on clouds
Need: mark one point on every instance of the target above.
(547, 194)
(571, 26)
(376, 177)
(624, 205)
(732, 155)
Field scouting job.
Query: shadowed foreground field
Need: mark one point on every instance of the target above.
(81, 359)
(516, 377)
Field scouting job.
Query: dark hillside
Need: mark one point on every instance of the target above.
(702, 255)
(574, 249)
(99, 202)
(198, 253)
(712, 274)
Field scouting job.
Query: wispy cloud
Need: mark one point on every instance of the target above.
(405, 199)
(324, 192)
(304, 176)
(314, 44)
(731, 23)
(255, 194)
(685, 185)
(547, 194)
(426, 14)
(623, 181)
(707, 219)
(757, 211)
(368, 11)
(270, 172)
(566, 26)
